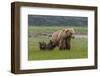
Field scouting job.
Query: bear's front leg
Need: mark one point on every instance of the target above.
(62, 45)
(68, 43)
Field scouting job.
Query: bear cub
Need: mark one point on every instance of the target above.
(48, 46)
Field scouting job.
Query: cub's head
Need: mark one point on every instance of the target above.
(42, 45)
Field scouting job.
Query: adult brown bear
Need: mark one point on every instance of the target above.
(62, 38)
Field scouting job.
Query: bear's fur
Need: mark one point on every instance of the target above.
(49, 46)
(62, 38)
(42, 45)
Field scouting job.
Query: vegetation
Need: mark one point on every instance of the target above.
(41, 20)
(78, 49)
(55, 28)
(39, 28)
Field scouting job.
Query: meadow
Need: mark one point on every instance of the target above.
(78, 45)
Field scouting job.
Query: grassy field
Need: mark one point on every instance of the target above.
(55, 28)
(78, 49)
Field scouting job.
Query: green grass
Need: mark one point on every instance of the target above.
(78, 48)
(55, 28)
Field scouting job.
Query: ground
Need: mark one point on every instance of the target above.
(38, 34)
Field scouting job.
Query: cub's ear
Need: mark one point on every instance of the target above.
(64, 29)
(39, 42)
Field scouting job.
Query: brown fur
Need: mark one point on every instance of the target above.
(62, 38)
(44, 46)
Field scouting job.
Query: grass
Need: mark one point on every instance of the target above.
(54, 28)
(78, 48)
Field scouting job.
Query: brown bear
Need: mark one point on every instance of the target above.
(48, 46)
(68, 43)
(62, 38)
(42, 45)
(62, 44)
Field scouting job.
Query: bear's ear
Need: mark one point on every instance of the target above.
(39, 43)
(67, 30)
(72, 30)
(63, 29)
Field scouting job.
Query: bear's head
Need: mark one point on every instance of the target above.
(68, 33)
(42, 45)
